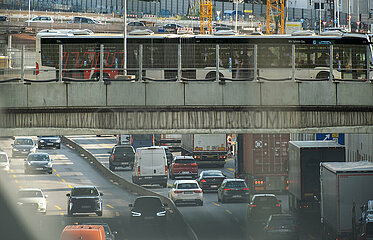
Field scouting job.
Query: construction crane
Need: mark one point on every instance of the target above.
(275, 16)
(205, 20)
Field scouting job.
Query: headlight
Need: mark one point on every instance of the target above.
(71, 205)
(19, 203)
(15, 149)
(58, 140)
(49, 164)
(41, 141)
(135, 214)
(161, 214)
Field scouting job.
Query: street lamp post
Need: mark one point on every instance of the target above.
(237, 2)
(29, 9)
(125, 37)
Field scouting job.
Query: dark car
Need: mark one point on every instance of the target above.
(109, 234)
(210, 179)
(121, 156)
(136, 24)
(38, 162)
(148, 210)
(49, 142)
(233, 190)
(84, 199)
(4, 19)
(281, 226)
(262, 206)
(22, 146)
(183, 166)
(169, 155)
(171, 27)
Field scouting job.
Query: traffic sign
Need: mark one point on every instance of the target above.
(358, 23)
(338, 137)
(324, 23)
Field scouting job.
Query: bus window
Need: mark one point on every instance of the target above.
(274, 56)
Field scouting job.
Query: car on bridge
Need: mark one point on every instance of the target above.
(22, 146)
(33, 200)
(38, 162)
(84, 199)
(42, 19)
(186, 191)
(86, 20)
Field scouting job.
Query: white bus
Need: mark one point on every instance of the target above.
(272, 57)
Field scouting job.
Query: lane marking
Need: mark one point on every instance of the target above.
(109, 206)
(169, 184)
(216, 204)
(14, 176)
(11, 170)
(54, 170)
(231, 169)
(20, 187)
(15, 180)
(63, 180)
(70, 186)
(58, 207)
(61, 214)
(228, 211)
(58, 175)
(310, 236)
(117, 214)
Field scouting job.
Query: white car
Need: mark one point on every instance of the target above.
(32, 199)
(43, 19)
(4, 161)
(186, 191)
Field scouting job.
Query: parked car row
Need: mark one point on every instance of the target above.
(48, 19)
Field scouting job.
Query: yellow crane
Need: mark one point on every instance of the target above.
(275, 15)
(205, 19)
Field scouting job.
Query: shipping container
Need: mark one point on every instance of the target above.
(304, 171)
(263, 161)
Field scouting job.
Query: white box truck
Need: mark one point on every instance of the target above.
(343, 184)
(207, 149)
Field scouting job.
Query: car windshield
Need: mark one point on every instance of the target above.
(23, 142)
(184, 161)
(38, 157)
(84, 192)
(29, 194)
(212, 174)
(3, 158)
(49, 137)
(187, 186)
(236, 184)
(148, 204)
(265, 200)
(125, 150)
(282, 221)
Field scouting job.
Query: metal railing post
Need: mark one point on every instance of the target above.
(293, 62)
(179, 62)
(331, 63)
(217, 63)
(368, 63)
(101, 63)
(23, 63)
(140, 62)
(256, 62)
(60, 63)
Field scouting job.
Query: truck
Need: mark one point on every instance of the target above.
(304, 171)
(345, 188)
(207, 149)
(172, 141)
(123, 139)
(262, 160)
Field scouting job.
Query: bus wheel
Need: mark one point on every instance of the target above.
(322, 75)
(213, 75)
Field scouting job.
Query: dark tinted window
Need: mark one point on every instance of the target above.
(3, 158)
(29, 194)
(369, 229)
(187, 186)
(184, 161)
(38, 157)
(236, 184)
(142, 137)
(282, 221)
(84, 192)
(265, 200)
(123, 150)
(23, 142)
(147, 204)
(212, 174)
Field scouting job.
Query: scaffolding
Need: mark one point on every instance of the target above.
(275, 17)
(205, 17)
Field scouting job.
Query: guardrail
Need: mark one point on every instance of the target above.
(128, 186)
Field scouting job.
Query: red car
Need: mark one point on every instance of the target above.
(183, 166)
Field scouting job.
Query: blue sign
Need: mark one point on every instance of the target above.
(338, 137)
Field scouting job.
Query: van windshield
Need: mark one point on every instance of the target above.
(3, 158)
(84, 192)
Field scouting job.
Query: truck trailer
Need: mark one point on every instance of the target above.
(172, 141)
(345, 186)
(207, 149)
(304, 171)
(262, 160)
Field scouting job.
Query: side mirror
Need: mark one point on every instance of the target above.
(101, 194)
(68, 194)
(165, 204)
(45, 196)
(130, 205)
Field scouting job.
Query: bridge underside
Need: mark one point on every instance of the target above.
(228, 119)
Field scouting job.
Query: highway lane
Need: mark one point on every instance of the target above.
(213, 220)
(71, 169)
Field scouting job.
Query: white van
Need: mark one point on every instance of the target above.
(150, 166)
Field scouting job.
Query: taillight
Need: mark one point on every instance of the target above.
(112, 157)
(194, 164)
(203, 180)
(278, 205)
(37, 68)
(222, 156)
(197, 157)
(197, 191)
(165, 168)
(253, 205)
(245, 189)
(227, 189)
(178, 191)
(138, 169)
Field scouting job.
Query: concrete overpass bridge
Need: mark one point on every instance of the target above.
(193, 107)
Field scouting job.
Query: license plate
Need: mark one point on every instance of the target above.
(184, 172)
(39, 168)
(210, 156)
(49, 144)
(188, 192)
(85, 206)
(214, 186)
(147, 177)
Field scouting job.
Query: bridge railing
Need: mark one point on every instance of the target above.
(187, 62)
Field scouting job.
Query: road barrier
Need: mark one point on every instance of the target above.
(128, 186)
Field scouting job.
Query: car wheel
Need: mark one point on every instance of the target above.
(50, 172)
(99, 213)
(111, 167)
(59, 146)
(69, 212)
